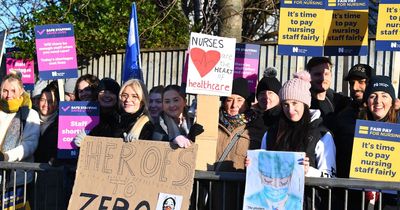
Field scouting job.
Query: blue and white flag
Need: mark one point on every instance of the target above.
(132, 66)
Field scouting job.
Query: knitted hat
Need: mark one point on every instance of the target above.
(110, 85)
(70, 85)
(362, 71)
(297, 88)
(269, 81)
(380, 83)
(241, 87)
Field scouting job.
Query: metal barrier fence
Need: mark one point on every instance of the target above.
(49, 189)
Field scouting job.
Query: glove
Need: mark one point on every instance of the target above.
(182, 141)
(79, 138)
(130, 137)
(195, 130)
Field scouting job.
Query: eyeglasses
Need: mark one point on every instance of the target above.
(125, 96)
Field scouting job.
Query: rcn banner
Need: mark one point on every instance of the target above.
(142, 175)
(347, 28)
(301, 27)
(56, 53)
(388, 29)
(211, 65)
(376, 151)
(74, 117)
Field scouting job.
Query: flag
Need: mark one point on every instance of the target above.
(3, 35)
(132, 66)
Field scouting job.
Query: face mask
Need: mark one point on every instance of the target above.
(275, 194)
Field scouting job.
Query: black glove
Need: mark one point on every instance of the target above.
(195, 130)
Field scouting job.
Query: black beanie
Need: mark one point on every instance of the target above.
(269, 82)
(241, 87)
(380, 83)
(110, 85)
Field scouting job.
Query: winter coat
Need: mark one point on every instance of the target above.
(324, 149)
(47, 147)
(163, 129)
(23, 152)
(248, 140)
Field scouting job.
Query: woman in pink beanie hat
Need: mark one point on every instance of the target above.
(300, 129)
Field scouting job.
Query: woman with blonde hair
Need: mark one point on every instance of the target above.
(19, 132)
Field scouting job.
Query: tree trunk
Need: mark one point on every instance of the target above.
(231, 12)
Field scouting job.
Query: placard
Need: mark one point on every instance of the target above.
(211, 63)
(387, 32)
(56, 52)
(347, 33)
(376, 151)
(301, 27)
(246, 63)
(274, 180)
(112, 174)
(74, 117)
(27, 69)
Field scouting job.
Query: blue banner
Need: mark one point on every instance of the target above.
(347, 4)
(132, 66)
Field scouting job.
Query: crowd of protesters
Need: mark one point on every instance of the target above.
(302, 115)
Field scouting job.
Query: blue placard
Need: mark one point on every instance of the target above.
(347, 4)
(320, 4)
(297, 50)
(54, 31)
(345, 50)
(377, 130)
(387, 45)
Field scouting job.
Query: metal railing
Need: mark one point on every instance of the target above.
(55, 197)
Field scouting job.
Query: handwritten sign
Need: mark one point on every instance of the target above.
(268, 168)
(74, 117)
(376, 151)
(26, 67)
(347, 33)
(56, 53)
(387, 32)
(301, 27)
(133, 175)
(246, 63)
(211, 63)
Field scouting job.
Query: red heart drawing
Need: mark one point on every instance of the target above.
(204, 61)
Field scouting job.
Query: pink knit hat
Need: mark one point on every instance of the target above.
(297, 88)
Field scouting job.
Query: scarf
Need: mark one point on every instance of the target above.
(46, 121)
(232, 122)
(13, 105)
(172, 128)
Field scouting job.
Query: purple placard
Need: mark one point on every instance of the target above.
(25, 66)
(246, 63)
(56, 51)
(74, 117)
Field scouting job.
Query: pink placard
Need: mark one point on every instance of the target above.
(56, 53)
(25, 66)
(69, 127)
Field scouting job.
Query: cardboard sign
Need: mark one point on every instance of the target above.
(376, 151)
(56, 53)
(26, 67)
(274, 180)
(387, 32)
(301, 27)
(112, 174)
(347, 33)
(211, 63)
(74, 117)
(246, 63)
